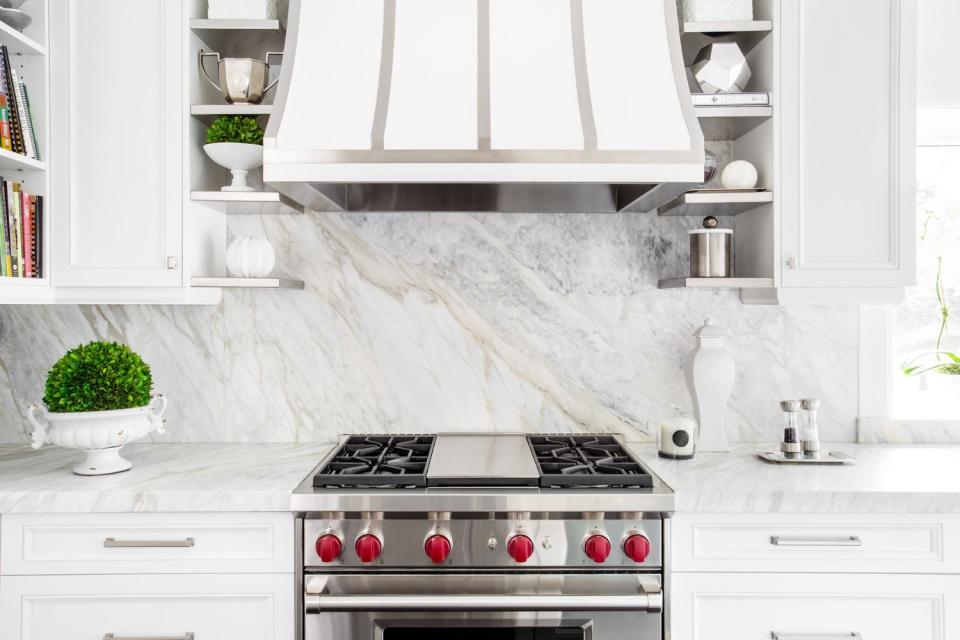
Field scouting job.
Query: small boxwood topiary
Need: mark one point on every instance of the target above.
(244, 129)
(99, 376)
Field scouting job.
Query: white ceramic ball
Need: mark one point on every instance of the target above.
(250, 257)
(739, 174)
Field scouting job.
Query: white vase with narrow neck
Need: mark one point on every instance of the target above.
(709, 374)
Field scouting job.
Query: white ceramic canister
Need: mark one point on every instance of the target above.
(709, 373)
(250, 257)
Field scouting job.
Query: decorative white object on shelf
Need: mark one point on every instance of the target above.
(239, 157)
(242, 9)
(250, 257)
(721, 67)
(709, 372)
(717, 10)
(100, 434)
(739, 174)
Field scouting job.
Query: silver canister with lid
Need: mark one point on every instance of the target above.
(711, 251)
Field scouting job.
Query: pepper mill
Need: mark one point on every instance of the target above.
(709, 373)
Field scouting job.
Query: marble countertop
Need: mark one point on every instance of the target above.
(261, 477)
(165, 477)
(884, 479)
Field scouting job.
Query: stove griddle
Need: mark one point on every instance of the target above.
(586, 461)
(386, 461)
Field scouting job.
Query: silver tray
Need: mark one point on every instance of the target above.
(826, 457)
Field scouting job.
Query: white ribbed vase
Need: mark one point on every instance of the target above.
(250, 257)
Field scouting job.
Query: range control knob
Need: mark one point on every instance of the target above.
(329, 547)
(637, 547)
(597, 547)
(437, 547)
(520, 547)
(368, 547)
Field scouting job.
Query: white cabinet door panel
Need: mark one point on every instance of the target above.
(116, 166)
(37, 544)
(847, 114)
(803, 543)
(236, 607)
(749, 606)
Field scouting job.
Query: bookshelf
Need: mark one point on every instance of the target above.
(28, 55)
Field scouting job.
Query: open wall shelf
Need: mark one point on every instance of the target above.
(246, 283)
(716, 283)
(249, 202)
(715, 202)
(729, 123)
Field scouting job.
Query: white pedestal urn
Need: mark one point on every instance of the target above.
(709, 372)
(100, 434)
(239, 158)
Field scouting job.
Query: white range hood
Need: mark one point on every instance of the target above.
(537, 105)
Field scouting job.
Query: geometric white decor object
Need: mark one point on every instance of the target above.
(242, 9)
(709, 373)
(717, 10)
(101, 434)
(250, 257)
(739, 174)
(240, 158)
(721, 67)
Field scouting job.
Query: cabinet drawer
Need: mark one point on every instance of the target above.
(146, 543)
(814, 607)
(238, 607)
(816, 543)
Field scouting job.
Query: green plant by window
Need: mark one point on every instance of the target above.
(235, 129)
(940, 360)
(99, 376)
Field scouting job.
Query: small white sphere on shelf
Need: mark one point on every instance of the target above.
(250, 257)
(739, 174)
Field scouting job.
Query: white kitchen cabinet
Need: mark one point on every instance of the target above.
(751, 606)
(116, 143)
(846, 111)
(142, 543)
(234, 607)
(806, 542)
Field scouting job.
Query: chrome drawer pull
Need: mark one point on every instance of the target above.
(816, 541)
(649, 602)
(113, 543)
(853, 635)
(110, 636)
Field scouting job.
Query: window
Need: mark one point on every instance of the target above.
(926, 327)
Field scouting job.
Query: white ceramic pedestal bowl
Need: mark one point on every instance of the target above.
(240, 158)
(101, 434)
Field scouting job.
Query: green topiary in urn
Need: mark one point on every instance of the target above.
(97, 398)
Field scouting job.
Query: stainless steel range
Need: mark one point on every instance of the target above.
(491, 536)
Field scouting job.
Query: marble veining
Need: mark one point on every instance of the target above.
(164, 477)
(451, 322)
(893, 431)
(884, 479)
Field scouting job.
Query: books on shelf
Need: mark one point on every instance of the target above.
(21, 219)
(17, 133)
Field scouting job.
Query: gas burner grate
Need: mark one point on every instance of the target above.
(586, 461)
(379, 461)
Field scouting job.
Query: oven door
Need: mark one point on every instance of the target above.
(585, 606)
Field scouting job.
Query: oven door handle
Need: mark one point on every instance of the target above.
(648, 602)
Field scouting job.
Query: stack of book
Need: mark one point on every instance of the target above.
(16, 121)
(21, 248)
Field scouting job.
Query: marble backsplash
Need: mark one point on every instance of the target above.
(450, 321)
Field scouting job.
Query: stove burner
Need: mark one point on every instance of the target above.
(378, 461)
(586, 461)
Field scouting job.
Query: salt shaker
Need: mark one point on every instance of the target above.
(791, 447)
(809, 433)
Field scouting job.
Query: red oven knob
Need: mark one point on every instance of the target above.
(329, 547)
(597, 547)
(437, 547)
(520, 547)
(637, 547)
(368, 547)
